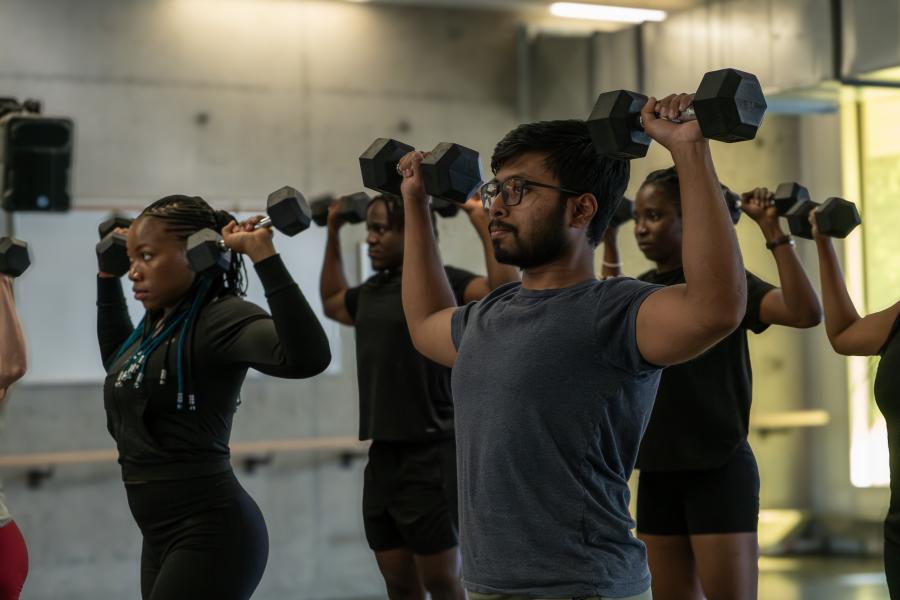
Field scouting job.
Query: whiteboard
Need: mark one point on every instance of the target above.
(56, 298)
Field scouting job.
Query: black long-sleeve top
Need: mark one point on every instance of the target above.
(156, 441)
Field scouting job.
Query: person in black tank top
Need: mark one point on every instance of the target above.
(698, 492)
(173, 385)
(13, 551)
(872, 335)
(405, 406)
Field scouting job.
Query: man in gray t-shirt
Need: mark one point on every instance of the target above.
(553, 378)
(548, 435)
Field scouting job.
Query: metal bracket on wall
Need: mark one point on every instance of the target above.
(36, 476)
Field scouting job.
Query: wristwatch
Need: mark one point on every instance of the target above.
(784, 239)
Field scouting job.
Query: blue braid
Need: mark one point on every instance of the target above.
(136, 362)
(127, 344)
(181, 318)
(205, 284)
(154, 342)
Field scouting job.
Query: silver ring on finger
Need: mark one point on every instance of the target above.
(399, 170)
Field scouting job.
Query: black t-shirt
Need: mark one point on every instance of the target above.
(403, 396)
(887, 396)
(156, 441)
(702, 409)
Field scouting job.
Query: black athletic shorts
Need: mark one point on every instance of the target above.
(721, 500)
(409, 496)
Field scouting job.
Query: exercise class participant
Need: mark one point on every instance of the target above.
(698, 491)
(14, 553)
(409, 493)
(872, 335)
(172, 387)
(554, 378)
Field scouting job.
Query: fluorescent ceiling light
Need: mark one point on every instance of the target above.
(599, 12)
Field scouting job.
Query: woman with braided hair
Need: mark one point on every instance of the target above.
(173, 384)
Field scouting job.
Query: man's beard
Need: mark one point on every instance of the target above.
(546, 245)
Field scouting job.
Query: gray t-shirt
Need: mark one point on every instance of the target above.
(552, 397)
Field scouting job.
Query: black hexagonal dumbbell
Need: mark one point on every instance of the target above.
(379, 165)
(287, 211)
(112, 254)
(112, 222)
(444, 208)
(14, 259)
(352, 208)
(450, 171)
(729, 106)
(787, 195)
(207, 250)
(835, 217)
(112, 250)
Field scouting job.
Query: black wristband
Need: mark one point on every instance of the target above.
(779, 241)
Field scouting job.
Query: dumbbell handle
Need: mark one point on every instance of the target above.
(684, 116)
(265, 222)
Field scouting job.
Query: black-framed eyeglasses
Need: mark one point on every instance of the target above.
(512, 189)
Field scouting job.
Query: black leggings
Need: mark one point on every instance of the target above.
(203, 538)
(892, 567)
(892, 547)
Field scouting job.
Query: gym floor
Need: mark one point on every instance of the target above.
(812, 578)
(821, 579)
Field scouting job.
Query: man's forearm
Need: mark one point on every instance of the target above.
(332, 279)
(426, 289)
(713, 268)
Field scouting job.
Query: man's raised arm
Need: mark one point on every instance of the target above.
(428, 300)
(679, 322)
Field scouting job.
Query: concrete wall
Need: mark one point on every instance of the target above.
(786, 43)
